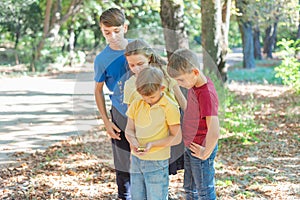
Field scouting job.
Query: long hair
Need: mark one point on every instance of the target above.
(139, 46)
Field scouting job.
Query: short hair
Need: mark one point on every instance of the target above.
(112, 17)
(182, 61)
(149, 80)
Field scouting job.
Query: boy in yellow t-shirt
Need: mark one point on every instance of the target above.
(153, 126)
(140, 55)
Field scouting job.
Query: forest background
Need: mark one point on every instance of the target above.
(259, 148)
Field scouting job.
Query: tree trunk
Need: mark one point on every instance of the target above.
(173, 25)
(211, 34)
(71, 46)
(257, 46)
(248, 47)
(270, 40)
(17, 38)
(224, 39)
(245, 27)
(298, 33)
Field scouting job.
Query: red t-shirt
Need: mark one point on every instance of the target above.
(201, 102)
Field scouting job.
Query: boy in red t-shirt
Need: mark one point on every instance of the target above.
(200, 127)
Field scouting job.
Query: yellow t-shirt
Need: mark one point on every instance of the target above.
(131, 94)
(151, 124)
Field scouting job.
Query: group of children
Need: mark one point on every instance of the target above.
(147, 105)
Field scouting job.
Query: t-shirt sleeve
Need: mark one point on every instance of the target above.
(172, 115)
(130, 93)
(99, 71)
(208, 104)
(126, 93)
(172, 83)
(131, 110)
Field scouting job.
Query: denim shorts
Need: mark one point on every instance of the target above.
(149, 179)
(199, 181)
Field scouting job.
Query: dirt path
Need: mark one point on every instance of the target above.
(36, 112)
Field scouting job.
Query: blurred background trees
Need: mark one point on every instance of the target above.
(43, 33)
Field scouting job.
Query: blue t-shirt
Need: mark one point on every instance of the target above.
(111, 67)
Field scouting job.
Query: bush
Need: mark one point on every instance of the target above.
(289, 70)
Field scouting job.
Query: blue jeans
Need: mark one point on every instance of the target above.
(149, 179)
(199, 181)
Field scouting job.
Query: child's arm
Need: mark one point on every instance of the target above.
(130, 134)
(174, 138)
(212, 137)
(179, 97)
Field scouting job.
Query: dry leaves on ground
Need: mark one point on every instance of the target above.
(81, 168)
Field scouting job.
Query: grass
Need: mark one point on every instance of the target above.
(263, 73)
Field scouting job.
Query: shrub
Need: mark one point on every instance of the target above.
(289, 70)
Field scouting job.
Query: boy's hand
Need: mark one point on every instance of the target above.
(197, 150)
(143, 150)
(148, 147)
(112, 130)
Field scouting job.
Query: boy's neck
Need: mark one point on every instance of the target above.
(201, 80)
(152, 104)
(120, 46)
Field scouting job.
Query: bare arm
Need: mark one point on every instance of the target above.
(212, 138)
(174, 138)
(111, 129)
(130, 134)
(179, 97)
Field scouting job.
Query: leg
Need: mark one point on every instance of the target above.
(176, 162)
(189, 182)
(203, 172)
(121, 153)
(138, 191)
(156, 179)
(121, 162)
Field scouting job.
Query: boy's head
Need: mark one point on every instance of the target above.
(112, 25)
(149, 84)
(112, 17)
(184, 67)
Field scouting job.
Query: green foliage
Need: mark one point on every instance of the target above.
(234, 36)
(239, 120)
(289, 70)
(20, 18)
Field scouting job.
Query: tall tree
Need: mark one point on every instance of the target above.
(270, 39)
(171, 14)
(53, 25)
(211, 18)
(256, 37)
(245, 26)
(226, 7)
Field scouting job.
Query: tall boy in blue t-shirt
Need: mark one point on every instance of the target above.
(110, 67)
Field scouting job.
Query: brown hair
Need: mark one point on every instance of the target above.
(139, 46)
(149, 81)
(182, 61)
(112, 17)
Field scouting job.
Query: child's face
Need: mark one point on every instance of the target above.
(137, 62)
(187, 80)
(153, 98)
(114, 34)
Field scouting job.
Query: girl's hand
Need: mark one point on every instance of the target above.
(197, 150)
